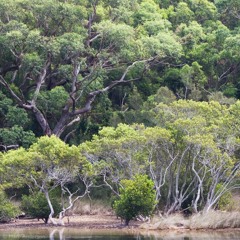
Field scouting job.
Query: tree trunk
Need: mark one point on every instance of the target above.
(207, 207)
(61, 216)
(42, 121)
(51, 208)
(127, 222)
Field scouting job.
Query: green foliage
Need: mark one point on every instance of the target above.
(46, 165)
(51, 152)
(8, 210)
(36, 205)
(188, 139)
(231, 47)
(147, 11)
(182, 14)
(53, 56)
(204, 10)
(16, 135)
(230, 91)
(17, 166)
(193, 79)
(226, 200)
(219, 97)
(135, 100)
(172, 79)
(229, 12)
(14, 125)
(163, 44)
(50, 102)
(163, 95)
(137, 197)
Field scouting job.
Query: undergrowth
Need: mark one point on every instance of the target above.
(92, 207)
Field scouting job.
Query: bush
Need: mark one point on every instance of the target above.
(137, 197)
(36, 206)
(7, 209)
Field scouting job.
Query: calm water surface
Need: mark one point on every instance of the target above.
(74, 234)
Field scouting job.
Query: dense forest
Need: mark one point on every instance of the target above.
(93, 92)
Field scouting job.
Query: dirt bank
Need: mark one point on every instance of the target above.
(80, 221)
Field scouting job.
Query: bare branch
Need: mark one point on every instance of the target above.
(69, 134)
(5, 84)
(8, 147)
(58, 132)
(109, 185)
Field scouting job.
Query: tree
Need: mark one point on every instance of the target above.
(193, 79)
(137, 197)
(182, 14)
(57, 165)
(204, 10)
(47, 164)
(215, 165)
(115, 154)
(122, 152)
(54, 68)
(191, 143)
(205, 151)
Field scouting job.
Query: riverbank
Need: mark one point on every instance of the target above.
(200, 221)
(211, 221)
(78, 221)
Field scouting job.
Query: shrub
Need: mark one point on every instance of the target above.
(7, 209)
(137, 197)
(36, 206)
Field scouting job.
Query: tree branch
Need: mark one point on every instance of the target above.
(92, 95)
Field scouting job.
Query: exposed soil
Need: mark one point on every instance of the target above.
(79, 221)
(97, 222)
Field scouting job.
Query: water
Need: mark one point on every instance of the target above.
(75, 234)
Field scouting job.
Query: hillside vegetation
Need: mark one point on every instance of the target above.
(96, 92)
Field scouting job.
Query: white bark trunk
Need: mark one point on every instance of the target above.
(51, 219)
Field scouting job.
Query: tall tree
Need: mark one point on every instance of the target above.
(57, 57)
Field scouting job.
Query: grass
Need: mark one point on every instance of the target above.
(230, 218)
(91, 207)
(210, 220)
(215, 220)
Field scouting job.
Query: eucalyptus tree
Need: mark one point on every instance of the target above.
(58, 56)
